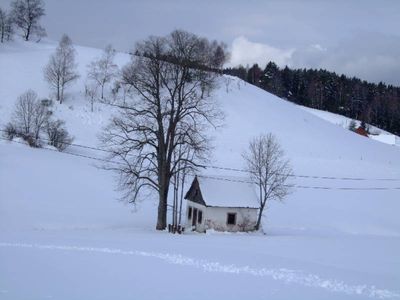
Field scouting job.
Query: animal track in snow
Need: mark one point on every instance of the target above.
(282, 274)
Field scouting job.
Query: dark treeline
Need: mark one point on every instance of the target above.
(376, 104)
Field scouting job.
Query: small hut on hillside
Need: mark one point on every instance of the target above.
(222, 205)
(361, 131)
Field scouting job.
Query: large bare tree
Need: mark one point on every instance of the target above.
(269, 170)
(61, 68)
(171, 106)
(26, 15)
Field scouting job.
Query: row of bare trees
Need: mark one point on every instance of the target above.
(32, 121)
(102, 71)
(61, 71)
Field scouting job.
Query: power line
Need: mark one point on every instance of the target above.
(228, 179)
(307, 176)
(236, 169)
(303, 186)
(291, 175)
(69, 153)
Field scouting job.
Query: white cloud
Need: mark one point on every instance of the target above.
(356, 56)
(245, 52)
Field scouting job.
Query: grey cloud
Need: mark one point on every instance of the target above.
(275, 27)
(370, 56)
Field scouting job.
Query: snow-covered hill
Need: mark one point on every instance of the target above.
(65, 235)
(377, 134)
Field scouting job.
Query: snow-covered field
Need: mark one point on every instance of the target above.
(65, 235)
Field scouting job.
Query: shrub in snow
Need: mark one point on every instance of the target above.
(352, 125)
(47, 102)
(364, 126)
(58, 135)
(30, 139)
(10, 132)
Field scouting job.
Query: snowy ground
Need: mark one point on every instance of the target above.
(64, 234)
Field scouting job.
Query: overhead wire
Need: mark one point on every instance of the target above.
(205, 166)
(223, 178)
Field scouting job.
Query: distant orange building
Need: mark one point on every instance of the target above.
(361, 131)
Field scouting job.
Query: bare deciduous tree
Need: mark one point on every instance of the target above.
(23, 113)
(103, 70)
(3, 19)
(269, 170)
(61, 69)
(9, 27)
(6, 26)
(91, 94)
(30, 116)
(168, 76)
(220, 55)
(26, 15)
(40, 33)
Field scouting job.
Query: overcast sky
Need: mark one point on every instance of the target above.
(355, 37)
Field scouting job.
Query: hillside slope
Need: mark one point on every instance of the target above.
(377, 134)
(61, 224)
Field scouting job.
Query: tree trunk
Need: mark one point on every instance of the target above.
(62, 95)
(28, 32)
(259, 218)
(162, 207)
(163, 195)
(176, 197)
(260, 195)
(58, 93)
(181, 198)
